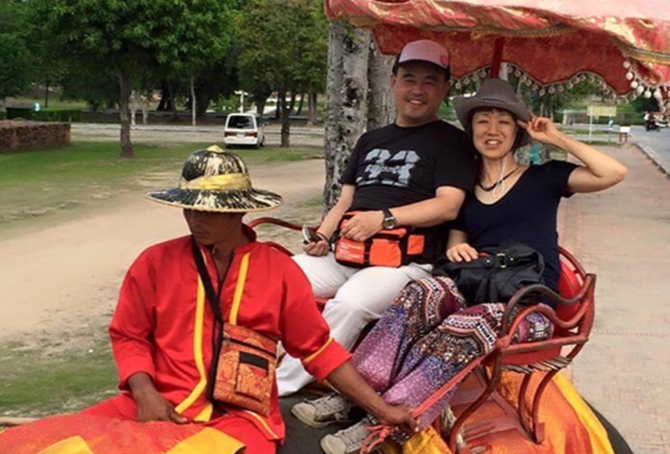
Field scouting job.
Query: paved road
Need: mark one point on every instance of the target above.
(300, 135)
(623, 236)
(658, 141)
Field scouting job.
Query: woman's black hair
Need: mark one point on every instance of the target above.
(519, 131)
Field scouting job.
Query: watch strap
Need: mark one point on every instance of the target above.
(389, 221)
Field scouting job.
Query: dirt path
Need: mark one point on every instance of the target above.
(64, 279)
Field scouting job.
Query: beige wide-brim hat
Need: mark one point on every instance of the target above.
(216, 180)
(495, 93)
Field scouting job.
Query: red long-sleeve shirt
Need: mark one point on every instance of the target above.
(163, 323)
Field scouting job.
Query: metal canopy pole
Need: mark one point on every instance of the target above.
(497, 57)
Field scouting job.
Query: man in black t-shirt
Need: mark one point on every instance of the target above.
(414, 172)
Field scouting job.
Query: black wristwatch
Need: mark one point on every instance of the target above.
(389, 221)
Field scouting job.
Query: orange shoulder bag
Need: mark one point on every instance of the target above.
(243, 361)
(390, 247)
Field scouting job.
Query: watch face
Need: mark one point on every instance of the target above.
(388, 223)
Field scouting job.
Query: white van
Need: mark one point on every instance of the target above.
(243, 129)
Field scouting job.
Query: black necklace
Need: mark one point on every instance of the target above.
(495, 185)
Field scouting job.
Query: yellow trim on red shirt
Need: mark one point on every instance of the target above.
(318, 352)
(260, 419)
(197, 350)
(239, 289)
(206, 414)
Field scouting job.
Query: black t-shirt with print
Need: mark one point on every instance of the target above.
(526, 214)
(395, 166)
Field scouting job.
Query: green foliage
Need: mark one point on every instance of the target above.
(15, 71)
(136, 39)
(642, 104)
(284, 45)
(551, 104)
(130, 34)
(97, 85)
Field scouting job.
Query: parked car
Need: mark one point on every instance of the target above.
(244, 129)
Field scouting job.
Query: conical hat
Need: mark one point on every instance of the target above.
(218, 181)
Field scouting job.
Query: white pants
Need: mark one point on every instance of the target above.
(357, 297)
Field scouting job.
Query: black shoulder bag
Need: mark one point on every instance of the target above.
(496, 275)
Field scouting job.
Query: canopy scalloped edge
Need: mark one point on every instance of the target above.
(631, 36)
(638, 88)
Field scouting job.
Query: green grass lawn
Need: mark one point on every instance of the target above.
(37, 384)
(43, 183)
(68, 372)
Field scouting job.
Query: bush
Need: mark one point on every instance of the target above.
(64, 116)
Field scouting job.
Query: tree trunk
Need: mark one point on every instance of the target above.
(126, 144)
(164, 103)
(173, 103)
(46, 95)
(300, 103)
(291, 106)
(347, 85)
(134, 101)
(193, 102)
(280, 103)
(145, 108)
(285, 120)
(260, 107)
(311, 111)
(380, 99)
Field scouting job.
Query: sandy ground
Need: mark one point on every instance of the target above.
(65, 278)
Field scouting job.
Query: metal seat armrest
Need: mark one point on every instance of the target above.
(274, 221)
(539, 289)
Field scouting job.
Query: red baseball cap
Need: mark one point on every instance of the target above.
(424, 50)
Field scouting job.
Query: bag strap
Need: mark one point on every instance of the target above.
(212, 296)
(214, 299)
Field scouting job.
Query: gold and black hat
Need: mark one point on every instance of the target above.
(216, 180)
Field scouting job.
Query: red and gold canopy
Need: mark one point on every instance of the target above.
(549, 43)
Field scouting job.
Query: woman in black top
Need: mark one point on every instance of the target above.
(430, 333)
(513, 202)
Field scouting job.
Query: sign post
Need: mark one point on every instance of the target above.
(599, 111)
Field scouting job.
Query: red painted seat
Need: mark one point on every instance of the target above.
(572, 319)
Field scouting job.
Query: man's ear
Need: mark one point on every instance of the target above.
(394, 79)
(446, 88)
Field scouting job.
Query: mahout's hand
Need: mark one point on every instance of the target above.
(399, 416)
(151, 406)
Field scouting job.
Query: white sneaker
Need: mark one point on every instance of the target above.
(347, 441)
(323, 411)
